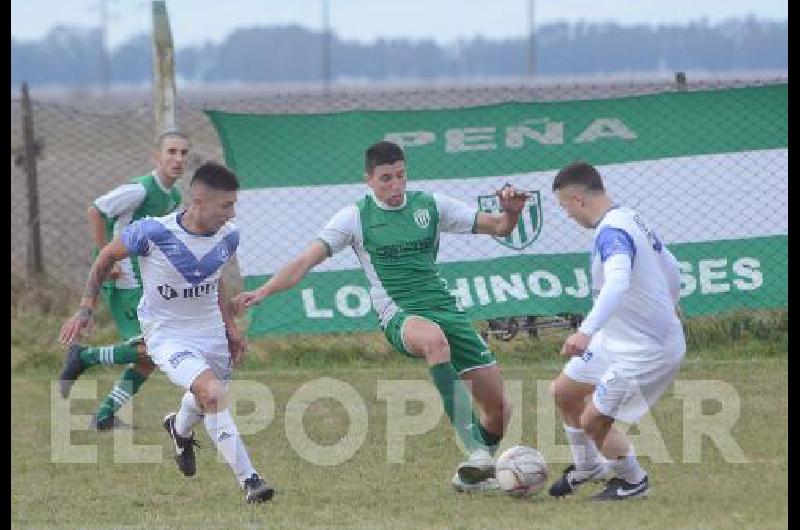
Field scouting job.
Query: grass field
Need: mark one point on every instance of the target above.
(366, 491)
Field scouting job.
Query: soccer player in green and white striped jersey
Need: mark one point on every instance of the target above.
(155, 194)
(395, 235)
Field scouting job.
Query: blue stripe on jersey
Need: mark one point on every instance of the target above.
(610, 241)
(136, 238)
(177, 252)
(217, 256)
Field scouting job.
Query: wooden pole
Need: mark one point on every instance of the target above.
(163, 70)
(35, 262)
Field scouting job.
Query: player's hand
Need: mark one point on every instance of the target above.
(575, 344)
(512, 200)
(237, 344)
(242, 301)
(80, 323)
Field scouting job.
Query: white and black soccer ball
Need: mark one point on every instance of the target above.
(521, 471)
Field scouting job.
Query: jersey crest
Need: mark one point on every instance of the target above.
(422, 217)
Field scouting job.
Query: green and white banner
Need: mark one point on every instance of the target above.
(709, 170)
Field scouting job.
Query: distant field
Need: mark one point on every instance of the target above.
(366, 491)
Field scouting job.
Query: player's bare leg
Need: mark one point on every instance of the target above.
(211, 396)
(487, 388)
(424, 338)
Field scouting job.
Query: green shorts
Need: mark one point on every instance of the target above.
(468, 350)
(123, 304)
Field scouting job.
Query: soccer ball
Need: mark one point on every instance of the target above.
(521, 471)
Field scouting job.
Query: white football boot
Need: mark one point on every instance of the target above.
(484, 485)
(479, 467)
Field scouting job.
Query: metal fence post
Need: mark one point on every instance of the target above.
(35, 262)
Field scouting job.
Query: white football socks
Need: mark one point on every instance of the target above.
(188, 415)
(225, 435)
(628, 468)
(584, 451)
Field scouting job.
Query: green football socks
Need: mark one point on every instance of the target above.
(128, 384)
(457, 404)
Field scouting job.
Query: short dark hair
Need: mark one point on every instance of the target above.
(578, 174)
(170, 133)
(216, 176)
(382, 153)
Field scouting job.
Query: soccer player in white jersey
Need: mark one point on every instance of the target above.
(395, 235)
(187, 326)
(628, 349)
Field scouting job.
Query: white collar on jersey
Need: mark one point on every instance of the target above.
(383, 206)
(158, 181)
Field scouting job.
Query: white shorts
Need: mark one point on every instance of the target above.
(183, 357)
(623, 390)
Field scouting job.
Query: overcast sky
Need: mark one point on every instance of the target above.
(198, 21)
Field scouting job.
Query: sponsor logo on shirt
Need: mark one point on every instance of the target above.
(167, 292)
(201, 290)
(176, 358)
(405, 248)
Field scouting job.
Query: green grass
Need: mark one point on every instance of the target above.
(746, 350)
(368, 492)
(34, 345)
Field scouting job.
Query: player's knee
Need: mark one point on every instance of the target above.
(593, 425)
(561, 396)
(212, 396)
(436, 350)
(586, 424)
(145, 368)
(210, 401)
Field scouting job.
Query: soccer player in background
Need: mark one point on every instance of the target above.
(155, 194)
(630, 346)
(188, 328)
(395, 235)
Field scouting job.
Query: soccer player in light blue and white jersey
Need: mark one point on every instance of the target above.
(630, 346)
(189, 331)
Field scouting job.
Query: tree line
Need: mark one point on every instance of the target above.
(71, 56)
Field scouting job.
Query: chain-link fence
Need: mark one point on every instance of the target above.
(706, 163)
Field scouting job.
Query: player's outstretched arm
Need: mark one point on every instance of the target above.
(237, 342)
(287, 277)
(502, 224)
(97, 229)
(105, 261)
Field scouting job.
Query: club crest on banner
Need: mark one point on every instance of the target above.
(529, 225)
